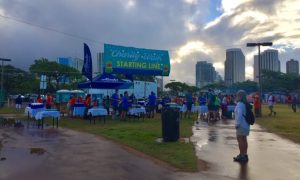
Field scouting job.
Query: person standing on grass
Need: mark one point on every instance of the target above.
(115, 103)
(188, 102)
(18, 102)
(71, 104)
(294, 103)
(124, 106)
(256, 104)
(106, 104)
(152, 104)
(49, 101)
(271, 102)
(87, 104)
(39, 99)
(241, 125)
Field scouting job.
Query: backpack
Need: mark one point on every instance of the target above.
(249, 117)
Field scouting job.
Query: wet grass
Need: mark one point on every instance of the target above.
(286, 123)
(142, 136)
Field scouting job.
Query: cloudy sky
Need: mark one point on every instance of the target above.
(192, 30)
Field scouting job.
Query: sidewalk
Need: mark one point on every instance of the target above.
(65, 154)
(270, 156)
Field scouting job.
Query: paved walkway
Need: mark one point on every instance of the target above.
(271, 157)
(65, 154)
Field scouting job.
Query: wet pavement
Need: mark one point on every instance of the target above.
(65, 154)
(270, 156)
(31, 153)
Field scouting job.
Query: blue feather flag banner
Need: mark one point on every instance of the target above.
(87, 69)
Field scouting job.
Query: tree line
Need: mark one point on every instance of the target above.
(18, 81)
(270, 81)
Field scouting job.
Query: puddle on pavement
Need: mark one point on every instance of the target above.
(37, 151)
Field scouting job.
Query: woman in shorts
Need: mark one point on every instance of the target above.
(241, 125)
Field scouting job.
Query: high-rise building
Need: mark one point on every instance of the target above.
(292, 66)
(269, 61)
(100, 63)
(76, 63)
(205, 74)
(234, 66)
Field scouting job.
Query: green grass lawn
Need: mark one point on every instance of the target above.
(142, 136)
(286, 123)
(137, 134)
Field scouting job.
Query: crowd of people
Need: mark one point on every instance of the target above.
(117, 105)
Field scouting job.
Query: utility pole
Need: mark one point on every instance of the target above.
(2, 59)
(259, 69)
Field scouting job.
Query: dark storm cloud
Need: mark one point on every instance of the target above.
(146, 24)
(142, 23)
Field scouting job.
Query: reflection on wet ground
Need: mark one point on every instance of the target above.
(32, 153)
(51, 153)
(271, 157)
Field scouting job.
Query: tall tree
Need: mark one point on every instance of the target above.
(17, 81)
(54, 71)
(278, 81)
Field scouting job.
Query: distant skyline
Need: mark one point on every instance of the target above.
(192, 30)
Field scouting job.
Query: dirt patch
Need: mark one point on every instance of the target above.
(203, 165)
(37, 151)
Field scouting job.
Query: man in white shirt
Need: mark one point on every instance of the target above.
(271, 101)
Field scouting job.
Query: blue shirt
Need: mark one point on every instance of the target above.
(152, 100)
(202, 100)
(189, 98)
(125, 102)
(115, 99)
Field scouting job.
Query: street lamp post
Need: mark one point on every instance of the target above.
(259, 68)
(2, 59)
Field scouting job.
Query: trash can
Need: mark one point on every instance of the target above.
(170, 123)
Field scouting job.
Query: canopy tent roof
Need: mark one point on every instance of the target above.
(105, 81)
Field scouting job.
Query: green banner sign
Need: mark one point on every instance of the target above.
(130, 60)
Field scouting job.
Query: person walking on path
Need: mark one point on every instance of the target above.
(271, 102)
(294, 103)
(18, 102)
(242, 127)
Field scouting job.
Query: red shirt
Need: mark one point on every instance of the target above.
(256, 102)
(72, 101)
(49, 100)
(88, 101)
(39, 100)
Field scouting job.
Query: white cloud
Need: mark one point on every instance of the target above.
(191, 1)
(178, 26)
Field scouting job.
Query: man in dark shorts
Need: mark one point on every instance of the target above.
(152, 104)
(115, 103)
(211, 104)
